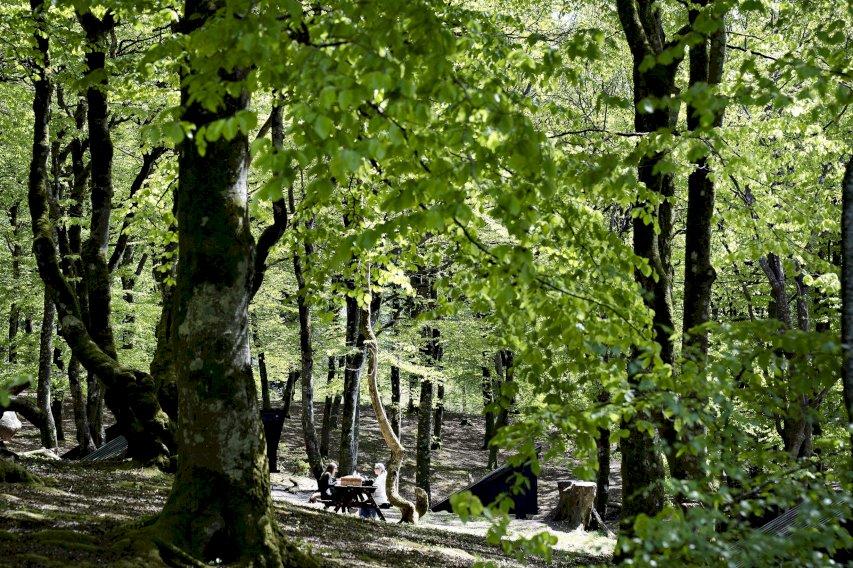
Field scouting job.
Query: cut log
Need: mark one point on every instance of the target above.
(574, 505)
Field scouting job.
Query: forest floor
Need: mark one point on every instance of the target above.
(69, 519)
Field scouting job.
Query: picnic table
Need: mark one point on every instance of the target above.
(353, 496)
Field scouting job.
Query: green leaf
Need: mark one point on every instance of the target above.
(323, 126)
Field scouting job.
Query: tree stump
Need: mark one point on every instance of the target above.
(574, 505)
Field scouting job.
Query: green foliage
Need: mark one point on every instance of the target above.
(491, 145)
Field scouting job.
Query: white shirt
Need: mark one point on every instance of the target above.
(379, 495)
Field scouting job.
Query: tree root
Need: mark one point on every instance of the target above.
(147, 544)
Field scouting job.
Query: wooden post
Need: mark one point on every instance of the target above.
(574, 505)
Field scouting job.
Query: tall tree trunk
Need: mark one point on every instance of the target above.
(138, 414)
(128, 283)
(792, 425)
(352, 379)
(81, 421)
(602, 476)
(48, 429)
(438, 419)
(265, 383)
(488, 400)
(287, 395)
(220, 506)
(424, 438)
(338, 400)
(642, 469)
(162, 366)
(326, 431)
(94, 252)
(504, 362)
(95, 408)
(14, 308)
(413, 390)
(847, 291)
(392, 480)
(306, 350)
(262, 366)
(706, 60)
(396, 407)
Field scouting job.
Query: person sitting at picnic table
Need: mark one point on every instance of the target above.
(324, 485)
(380, 496)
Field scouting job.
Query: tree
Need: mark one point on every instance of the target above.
(222, 470)
(48, 428)
(144, 424)
(847, 287)
(706, 60)
(410, 514)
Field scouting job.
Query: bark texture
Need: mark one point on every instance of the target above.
(94, 252)
(306, 351)
(352, 383)
(396, 406)
(847, 290)
(49, 438)
(392, 480)
(642, 469)
(81, 421)
(424, 438)
(139, 417)
(574, 504)
(706, 60)
(326, 430)
(220, 505)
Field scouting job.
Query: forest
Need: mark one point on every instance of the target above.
(426, 283)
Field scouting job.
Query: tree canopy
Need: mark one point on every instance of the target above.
(636, 206)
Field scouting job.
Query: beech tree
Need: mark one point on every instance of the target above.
(555, 184)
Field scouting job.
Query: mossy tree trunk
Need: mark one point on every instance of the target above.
(706, 60)
(81, 421)
(220, 505)
(138, 414)
(94, 253)
(162, 366)
(642, 469)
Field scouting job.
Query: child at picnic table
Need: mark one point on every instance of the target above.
(327, 480)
